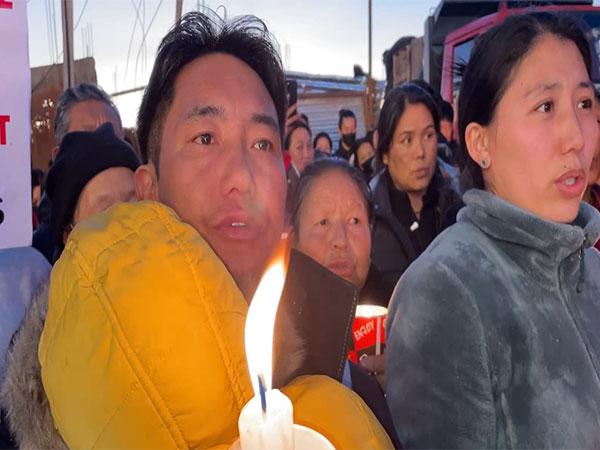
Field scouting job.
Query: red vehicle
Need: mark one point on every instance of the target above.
(458, 43)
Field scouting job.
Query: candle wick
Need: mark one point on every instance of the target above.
(263, 394)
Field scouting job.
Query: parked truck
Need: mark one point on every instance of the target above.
(451, 31)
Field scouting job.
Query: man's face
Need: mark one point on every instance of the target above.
(90, 114)
(221, 164)
(348, 125)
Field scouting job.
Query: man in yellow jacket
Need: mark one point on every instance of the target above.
(143, 341)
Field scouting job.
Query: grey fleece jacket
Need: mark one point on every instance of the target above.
(494, 333)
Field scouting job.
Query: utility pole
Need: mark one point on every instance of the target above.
(67, 26)
(178, 10)
(370, 81)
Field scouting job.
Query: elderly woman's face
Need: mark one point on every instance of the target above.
(544, 133)
(301, 149)
(333, 227)
(412, 154)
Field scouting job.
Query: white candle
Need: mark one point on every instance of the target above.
(273, 430)
(265, 423)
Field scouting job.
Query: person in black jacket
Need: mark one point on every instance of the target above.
(412, 198)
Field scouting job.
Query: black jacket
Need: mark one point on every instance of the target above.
(392, 249)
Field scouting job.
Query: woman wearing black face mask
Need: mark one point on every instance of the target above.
(364, 157)
(347, 129)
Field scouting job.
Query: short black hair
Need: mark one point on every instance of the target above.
(320, 135)
(319, 167)
(293, 127)
(495, 56)
(246, 38)
(344, 113)
(393, 109)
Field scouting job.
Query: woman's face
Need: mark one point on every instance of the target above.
(333, 226)
(364, 153)
(544, 133)
(324, 145)
(413, 150)
(301, 149)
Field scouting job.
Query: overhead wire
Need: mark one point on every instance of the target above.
(135, 22)
(146, 34)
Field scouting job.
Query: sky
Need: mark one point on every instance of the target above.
(320, 37)
(315, 36)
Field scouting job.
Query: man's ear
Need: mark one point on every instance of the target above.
(477, 140)
(146, 182)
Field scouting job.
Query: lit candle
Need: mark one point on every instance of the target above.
(377, 312)
(266, 421)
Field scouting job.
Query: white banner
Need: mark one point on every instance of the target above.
(15, 126)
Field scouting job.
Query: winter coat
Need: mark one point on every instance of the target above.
(493, 333)
(22, 394)
(392, 250)
(22, 273)
(143, 343)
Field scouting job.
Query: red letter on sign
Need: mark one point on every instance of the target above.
(6, 4)
(3, 121)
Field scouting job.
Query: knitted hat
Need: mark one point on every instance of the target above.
(82, 156)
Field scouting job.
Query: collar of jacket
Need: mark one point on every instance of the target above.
(383, 210)
(551, 241)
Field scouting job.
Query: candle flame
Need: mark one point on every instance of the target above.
(370, 311)
(260, 321)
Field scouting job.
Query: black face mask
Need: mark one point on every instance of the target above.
(348, 139)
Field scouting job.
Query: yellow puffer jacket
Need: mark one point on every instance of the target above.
(143, 343)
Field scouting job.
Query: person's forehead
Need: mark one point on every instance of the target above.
(222, 80)
(335, 187)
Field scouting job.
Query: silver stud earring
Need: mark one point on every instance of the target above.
(485, 163)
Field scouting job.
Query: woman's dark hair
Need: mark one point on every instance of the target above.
(246, 38)
(321, 135)
(320, 167)
(393, 109)
(494, 58)
(356, 146)
(293, 127)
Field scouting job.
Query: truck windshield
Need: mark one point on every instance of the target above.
(592, 20)
(591, 25)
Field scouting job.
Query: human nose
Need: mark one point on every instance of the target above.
(339, 236)
(572, 131)
(239, 174)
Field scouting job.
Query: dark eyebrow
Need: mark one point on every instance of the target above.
(213, 111)
(586, 84)
(265, 119)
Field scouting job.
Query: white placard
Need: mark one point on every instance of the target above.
(15, 126)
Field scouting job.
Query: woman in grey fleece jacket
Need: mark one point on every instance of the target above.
(494, 332)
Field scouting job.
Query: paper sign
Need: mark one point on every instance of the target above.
(15, 126)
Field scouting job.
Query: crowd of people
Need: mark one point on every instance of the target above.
(482, 248)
